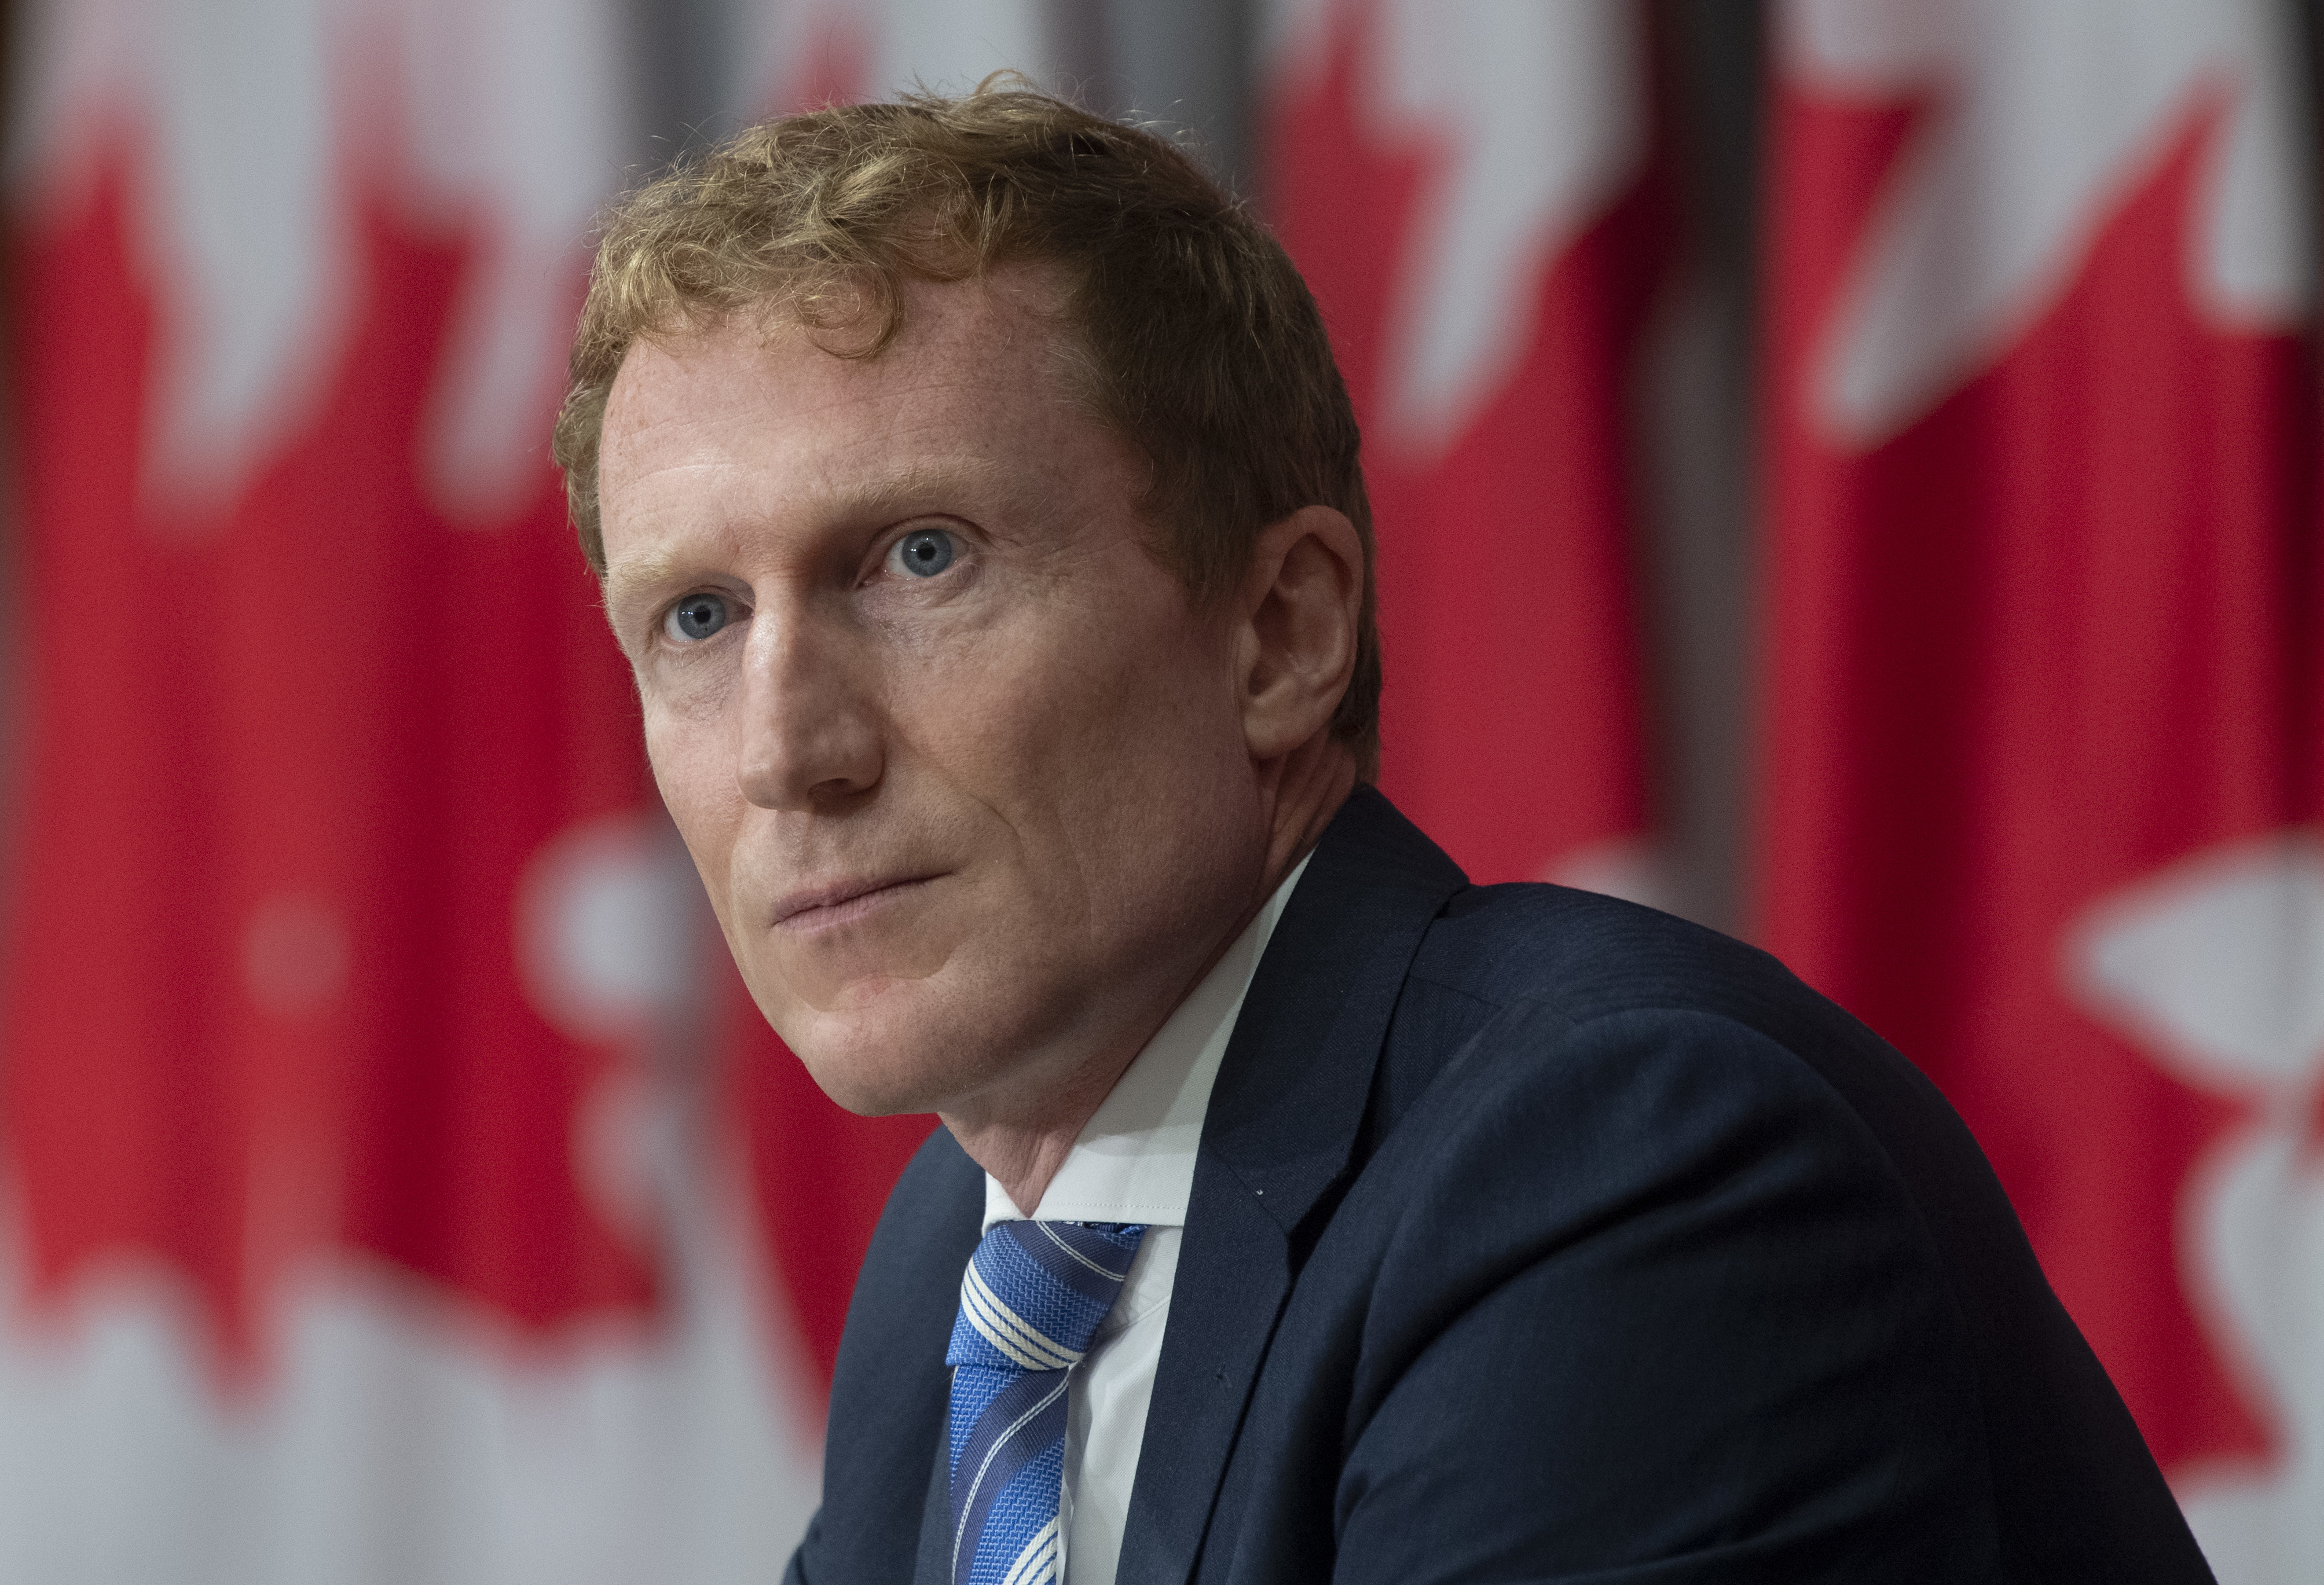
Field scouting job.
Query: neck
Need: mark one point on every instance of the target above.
(1301, 793)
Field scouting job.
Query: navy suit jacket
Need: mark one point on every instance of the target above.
(1539, 1237)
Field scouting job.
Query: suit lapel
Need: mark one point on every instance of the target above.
(934, 1566)
(1282, 1124)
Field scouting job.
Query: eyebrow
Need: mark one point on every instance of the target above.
(916, 485)
(644, 572)
(914, 482)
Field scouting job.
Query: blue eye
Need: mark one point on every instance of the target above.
(924, 552)
(696, 618)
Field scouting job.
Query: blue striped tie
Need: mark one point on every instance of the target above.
(1033, 1296)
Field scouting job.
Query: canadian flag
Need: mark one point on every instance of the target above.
(2041, 522)
(363, 1218)
(1472, 192)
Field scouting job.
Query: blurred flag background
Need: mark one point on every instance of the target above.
(1845, 471)
(1475, 195)
(2040, 520)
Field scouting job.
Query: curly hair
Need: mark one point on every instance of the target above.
(1198, 341)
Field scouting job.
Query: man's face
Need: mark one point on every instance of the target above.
(963, 769)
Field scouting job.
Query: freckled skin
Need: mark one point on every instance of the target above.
(1076, 787)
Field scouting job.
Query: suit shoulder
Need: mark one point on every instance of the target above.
(1512, 968)
(1589, 956)
(1544, 975)
(1572, 1072)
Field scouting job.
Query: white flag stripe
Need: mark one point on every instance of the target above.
(1535, 120)
(397, 1439)
(2216, 968)
(250, 118)
(1974, 236)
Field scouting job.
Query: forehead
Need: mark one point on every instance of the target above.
(976, 375)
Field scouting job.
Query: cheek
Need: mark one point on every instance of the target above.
(695, 776)
(1098, 738)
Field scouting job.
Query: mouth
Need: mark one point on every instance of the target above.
(826, 908)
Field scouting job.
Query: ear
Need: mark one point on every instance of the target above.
(1296, 629)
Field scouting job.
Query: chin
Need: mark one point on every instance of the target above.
(876, 1058)
(874, 1088)
(849, 1087)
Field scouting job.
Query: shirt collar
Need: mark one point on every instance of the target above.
(1135, 1158)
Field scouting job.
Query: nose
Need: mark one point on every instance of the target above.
(811, 735)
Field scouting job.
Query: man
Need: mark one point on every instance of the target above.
(977, 502)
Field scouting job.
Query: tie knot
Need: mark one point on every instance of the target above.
(1036, 1292)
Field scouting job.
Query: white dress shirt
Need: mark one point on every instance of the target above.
(1135, 1162)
